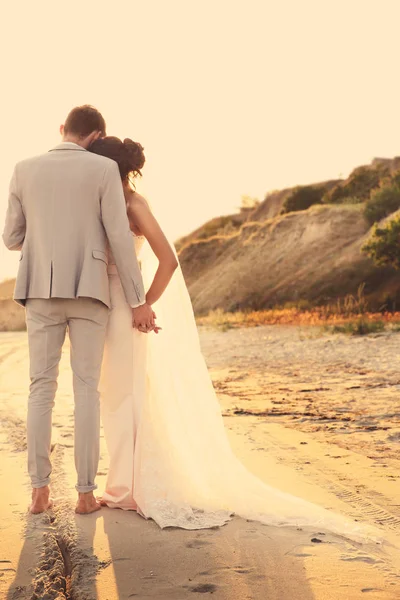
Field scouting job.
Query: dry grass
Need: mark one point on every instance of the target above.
(350, 315)
(291, 316)
(362, 326)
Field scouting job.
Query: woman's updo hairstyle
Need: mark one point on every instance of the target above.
(127, 154)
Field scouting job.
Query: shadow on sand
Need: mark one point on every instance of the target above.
(242, 560)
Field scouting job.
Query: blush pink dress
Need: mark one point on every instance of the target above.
(123, 386)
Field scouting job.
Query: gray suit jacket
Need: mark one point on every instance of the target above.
(63, 206)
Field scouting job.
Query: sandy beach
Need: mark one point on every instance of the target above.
(312, 413)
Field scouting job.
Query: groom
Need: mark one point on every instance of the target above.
(63, 206)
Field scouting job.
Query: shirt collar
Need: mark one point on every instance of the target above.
(68, 146)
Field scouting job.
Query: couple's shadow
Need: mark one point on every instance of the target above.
(120, 555)
(138, 559)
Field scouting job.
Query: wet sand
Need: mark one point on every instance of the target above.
(313, 414)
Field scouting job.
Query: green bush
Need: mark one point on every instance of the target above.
(360, 184)
(302, 198)
(384, 245)
(382, 203)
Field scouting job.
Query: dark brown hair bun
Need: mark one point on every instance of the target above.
(135, 152)
(128, 154)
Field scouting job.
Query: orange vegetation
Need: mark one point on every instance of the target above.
(323, 315)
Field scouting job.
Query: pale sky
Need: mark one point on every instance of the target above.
(229, 98)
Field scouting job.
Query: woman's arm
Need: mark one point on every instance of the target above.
(142, 219)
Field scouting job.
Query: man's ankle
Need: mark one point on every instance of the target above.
(84, 495)
(41, 490)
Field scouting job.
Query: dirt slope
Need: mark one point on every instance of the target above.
(314, 255)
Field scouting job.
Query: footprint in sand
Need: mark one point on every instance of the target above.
(366, 559)
(204, 588)
(5, 568)
(244, 571)
(198, 544)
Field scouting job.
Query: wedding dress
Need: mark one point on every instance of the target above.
(170, 457)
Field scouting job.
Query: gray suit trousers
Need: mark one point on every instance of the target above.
(47, 323)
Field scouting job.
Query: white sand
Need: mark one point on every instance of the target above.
(339, 464)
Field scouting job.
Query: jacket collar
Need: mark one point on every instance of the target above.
(68, 146)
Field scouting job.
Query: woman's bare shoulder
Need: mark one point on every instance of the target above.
(138, 210)
(136, 201)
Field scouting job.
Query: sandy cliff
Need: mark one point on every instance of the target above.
(314, 255)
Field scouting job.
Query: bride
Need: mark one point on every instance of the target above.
(170, 457)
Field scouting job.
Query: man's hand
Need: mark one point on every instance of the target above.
(143, 318)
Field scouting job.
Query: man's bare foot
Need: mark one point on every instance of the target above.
(41, 500)
(87, 504)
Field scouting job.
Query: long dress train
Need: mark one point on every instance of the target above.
(170, 457)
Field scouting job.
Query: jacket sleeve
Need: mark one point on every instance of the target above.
(15, 225)
(116, 224)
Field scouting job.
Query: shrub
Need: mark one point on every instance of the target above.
(302, 198)
(395, 179)
(360, 184)
(384, 245)
(249, 203)
(359, 327)
(382, 203)
(349, 200)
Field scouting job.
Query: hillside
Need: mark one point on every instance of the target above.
(273, 258)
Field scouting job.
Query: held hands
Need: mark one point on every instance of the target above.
(143, 319)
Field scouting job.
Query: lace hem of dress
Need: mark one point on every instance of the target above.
(166, 514)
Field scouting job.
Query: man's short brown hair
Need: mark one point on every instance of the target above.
(83, 120)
